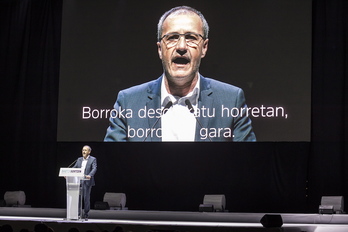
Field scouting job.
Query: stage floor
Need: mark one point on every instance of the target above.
(137, 220)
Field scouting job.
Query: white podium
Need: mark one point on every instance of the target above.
(73, 178)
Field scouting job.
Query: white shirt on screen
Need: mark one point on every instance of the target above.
(178, 123)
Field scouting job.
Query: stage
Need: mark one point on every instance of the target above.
(137, 220)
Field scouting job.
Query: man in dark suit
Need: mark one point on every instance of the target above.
(181, 105)
(89, 164)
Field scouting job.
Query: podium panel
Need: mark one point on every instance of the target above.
(73, 178)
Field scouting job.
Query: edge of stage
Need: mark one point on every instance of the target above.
(138, 220)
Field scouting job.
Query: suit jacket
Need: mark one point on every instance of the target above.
(215, 96)
(90, 170)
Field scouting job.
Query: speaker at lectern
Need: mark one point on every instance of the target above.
(73, 177)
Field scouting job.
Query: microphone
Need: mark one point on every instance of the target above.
(73, 163)
(165, 109)
(190, 107)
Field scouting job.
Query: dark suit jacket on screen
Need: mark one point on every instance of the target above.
(213, 96)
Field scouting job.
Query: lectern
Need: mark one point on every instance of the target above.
(73, 178)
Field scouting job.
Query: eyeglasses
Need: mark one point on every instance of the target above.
(172, 39)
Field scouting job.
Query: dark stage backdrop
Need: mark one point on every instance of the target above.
(256, 177)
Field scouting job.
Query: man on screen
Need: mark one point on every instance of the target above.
(181, 105)
(89, 164)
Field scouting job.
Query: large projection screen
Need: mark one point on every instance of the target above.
(261, 46)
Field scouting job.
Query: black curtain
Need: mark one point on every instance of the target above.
(29, 59)
(328, 162)
(29, 70)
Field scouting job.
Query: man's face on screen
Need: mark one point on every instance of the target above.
(180, 51)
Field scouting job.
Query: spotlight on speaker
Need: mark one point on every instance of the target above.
(331, 205)
(271, 221)
(213, 203)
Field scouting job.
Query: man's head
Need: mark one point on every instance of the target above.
(182, 10)
(182, 43)
(86, 150)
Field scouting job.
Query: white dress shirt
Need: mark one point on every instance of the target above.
(178, 123)
(84, 163)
